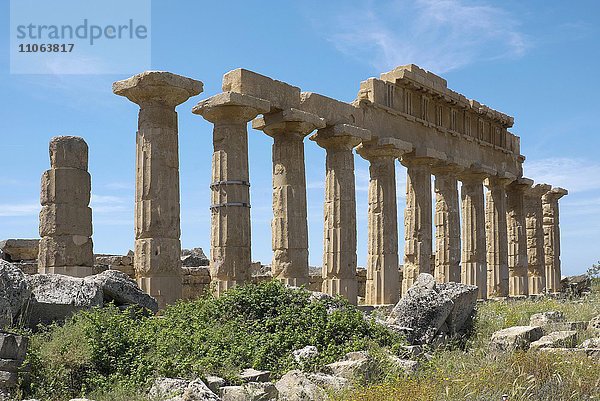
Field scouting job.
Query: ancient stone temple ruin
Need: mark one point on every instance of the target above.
(493, 227)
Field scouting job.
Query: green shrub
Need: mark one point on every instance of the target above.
(256, 326)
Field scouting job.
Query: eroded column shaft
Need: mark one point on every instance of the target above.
(289, 226)
(552, 237)
(496, 239)
(517, 239)
(474, 264)
(382, 286)
(535, 238)
(447, 232)
(417, 223)
(66, 219)
(157, 259)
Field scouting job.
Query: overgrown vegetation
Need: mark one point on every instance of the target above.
(476, 375)
(107, 351)
(107, 354)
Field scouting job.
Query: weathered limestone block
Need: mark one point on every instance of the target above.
(417, 220)
(12, 347)
(474, 265)
(551, 229)
(296, 385)
(66, 185)
(157, 223)
(14, 293)
(517, 237)
(280, 95)
(515, 338)
(166, 389)
(447, 224)
(382, 251)
(65, 218)
(250, 392)
(15, 250)
(230, 188)
(339, 238)
(545, 318)
(557, 339)
(496, 237)
(464, 299)
(290, 228)
(354, 366)
(535, 238)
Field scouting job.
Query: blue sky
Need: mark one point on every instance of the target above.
(536, 60)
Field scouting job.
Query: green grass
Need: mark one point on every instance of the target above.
(478, 375)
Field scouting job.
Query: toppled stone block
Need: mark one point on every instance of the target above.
(576, 285)
(16, 250)
(194, 257)
(214, 383)
(14, 293)
(422, 309)
(253, 375)
(464, 298)
(590, 343)
(250, 392)
(515, 338)
(544, 318)
(595, 323)
(13, 346)
(296, 385)
(557, 339)
(354, 365)
(305, 354)
(117, 287)
(55, 297)
(166, 389)
(408, 366)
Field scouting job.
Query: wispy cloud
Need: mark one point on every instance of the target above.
(110, 204)
(440, 35)
(576, 175)
(16, 210)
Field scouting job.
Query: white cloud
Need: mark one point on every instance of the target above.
(15, 210)
(576, 175)
(440, 35)
(110, 204)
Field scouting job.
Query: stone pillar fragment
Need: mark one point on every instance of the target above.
(66, 219)
(157, 260)
(552, 237)
(535, 238)
(417, 220)
(447, 224)
(496, 237)
(382, 285)
(230, 254)
(474, 264)
(517, 237)
(290, 227)
(339, 237)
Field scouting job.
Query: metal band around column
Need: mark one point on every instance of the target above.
(229, 204)
(229, 182)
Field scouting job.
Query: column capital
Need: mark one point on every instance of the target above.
(288, 121)
(344, 136)
(231, 106)
(158, 87)
(554, 194)
(383, 147)
(537, 191)
(521, 184)
(497, 181)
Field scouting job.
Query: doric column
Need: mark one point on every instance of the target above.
(157, 259)
(474, 264)
(65, 218)
(447, 224)
(382, 285)
(339, 236)
(290, 228)
(552, 237)
(230, 255)
(496, 237)
(535, 238)
(517, 237)
(417, 220)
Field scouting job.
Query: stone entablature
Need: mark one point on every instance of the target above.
(416, 106)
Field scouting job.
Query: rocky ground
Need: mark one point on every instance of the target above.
(438, 342)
